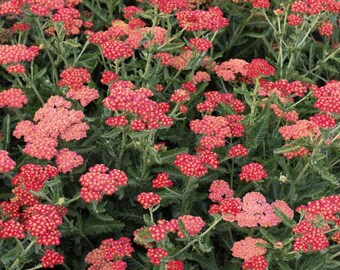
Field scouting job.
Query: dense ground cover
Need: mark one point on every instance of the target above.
(169, 134)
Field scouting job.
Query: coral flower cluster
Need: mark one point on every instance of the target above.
(252, 211)
(53, 120)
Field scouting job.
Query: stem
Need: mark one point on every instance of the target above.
(35, 90)
(36, 267)
(122, 149)
(335, 255)
(185, 195)
(151, 215)
(145, 154)
(212, 226)
(174, 192)
(82, 51)
(254, 101)
(27, 249)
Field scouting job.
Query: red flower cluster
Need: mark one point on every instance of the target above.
(193, 225)
(51, 258)
(169, 6)
(12, 7)
(314, 7)
(259, 68)
(197, 20)
(323, 120)
(108, 77)
(99, 180)
(75, 78)
(6, 163)
(237, 150)
(42, 221)
(13, 98)
(328, 97)
(175, 265)
(253, 172)
(109, 254)
(70, 17)
(326, 208)
(310, 237)
(156, 254)
(31, 177)
(53, 120)
(162, 180)
(11, 228)
(124, 98)
(12, 55)
(215, 98)
(44, 7)
(190, 165)
(201, 44)
(256, 263)
(148, 199)
(294, 20)
(303, 151)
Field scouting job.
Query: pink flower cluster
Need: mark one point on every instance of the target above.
(99, 180)
(6, 163)
(251, 211)
(252, 254)
(53, 120)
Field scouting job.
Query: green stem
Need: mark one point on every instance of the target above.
(35, 90)
(212, 226)
(335, 255)
(173, 192)
(122, 149)
(254, 101)
(81, 53)
(145, 154)
(27, 249)
(36, 267)
(151, 215)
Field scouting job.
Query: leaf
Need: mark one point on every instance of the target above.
(286, 220)
(171, 47)
(10, 256)
(171, 154)
(6, 129)
(112, 134)
(286, 149)
(93, 226)
(326, 175)
(268, 236)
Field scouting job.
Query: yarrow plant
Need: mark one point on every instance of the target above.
(169, 134)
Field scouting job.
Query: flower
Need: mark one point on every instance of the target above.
(253, 172)
(13, 98)
(193, 225)
(6, 163)
(51, 258)
(162, 180)
(190, 165)
(256, 263)
(148, 199)
(156, 254)
(248, 248)
(67, 160)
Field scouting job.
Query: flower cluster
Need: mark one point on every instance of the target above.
(301, 129)
(99, 180)
(215, 98)
(162, 180)
(328, 97)
(253, 172)
(190, 165)
(42, 221)
(31, 177)
(13, 98)
(14, 55)
(6, 163)
(70, 17)
(232, 69)
(196, 20)
(74, 78)
(156, 254)
(147, 114)
(109, 255)
(148, 199)
(53, 120)
(51, 258)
